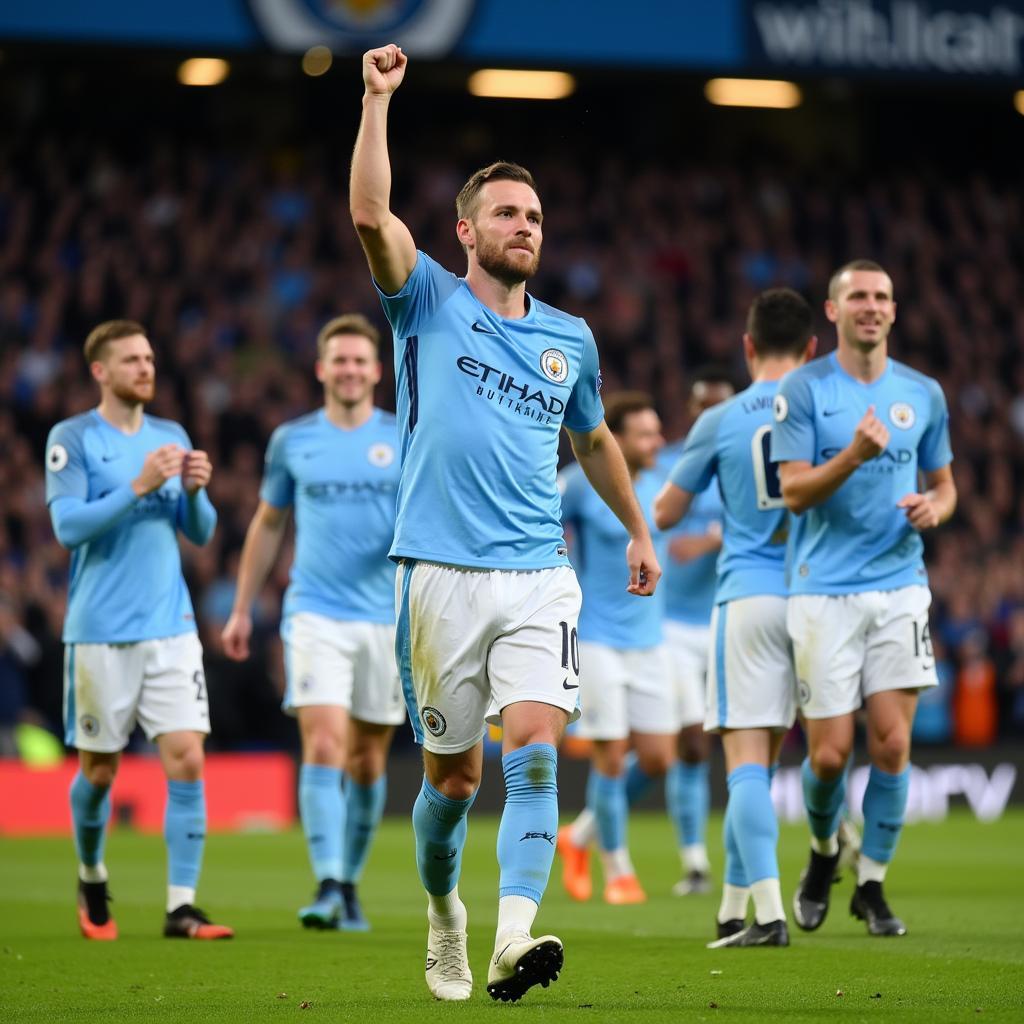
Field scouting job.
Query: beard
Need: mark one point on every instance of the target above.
(135, 394)
(502, 265)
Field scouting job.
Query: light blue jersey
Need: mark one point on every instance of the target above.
(126, 581)
(343, 485)
(731, 441)
(858, 539)
(481, 400)
(690, 586)
(610, 615)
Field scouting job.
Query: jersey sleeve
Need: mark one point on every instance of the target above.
(428, 286)
(698, 462)
(793, 421)
(934, 450)
(66, 473)
(278, 487)
(584, 411)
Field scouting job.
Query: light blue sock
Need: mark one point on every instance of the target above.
(529, 823)
(885, 803)
(734, 873)
(755, 826)
(440, 826)
(322, 810)
(688, 798)
(823, 801)
(364, 806)
(90, 812)
(638, 782)
(610, 810)
(185, 832)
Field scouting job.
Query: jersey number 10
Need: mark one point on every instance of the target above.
(766, 472)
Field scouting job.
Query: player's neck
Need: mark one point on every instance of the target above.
(124, 416)
(863, 363)
(772, 369)
(348, 417)
(508, 301)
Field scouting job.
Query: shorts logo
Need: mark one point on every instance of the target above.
(434, 721)
(902, 415)
(803, 693)
(555, 365)
(56, 458)
(381, 455)
(306, 683)
(90, 725)
(780, 408)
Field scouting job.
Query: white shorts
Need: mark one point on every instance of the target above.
(751, 683)
(472, 641)
(344, 664)
(850, 646)
(624, 691)
(109, 687)
(688, 654)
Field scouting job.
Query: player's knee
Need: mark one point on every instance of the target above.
(322, 747)
(101, 774)
(891, 752)
(828, 763)
(188, 765)
(458, 786)
(655, 763)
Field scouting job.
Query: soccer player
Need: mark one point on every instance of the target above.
(338, 467)
(689, 586)
(750, 692)
(487, 375)
(119, 486)
(626, 685)
(852, 431)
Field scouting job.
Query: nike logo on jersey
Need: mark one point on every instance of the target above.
(831, 412)
(109, 458)
(566, 685)
(480, 329)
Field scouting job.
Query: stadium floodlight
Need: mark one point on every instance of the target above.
(203, 71)
(317, 61)
(1018, 101)
(506, 83)
(753, 92)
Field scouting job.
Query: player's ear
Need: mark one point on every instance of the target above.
(831, 310)
(318, 369)
(465, 233)
(812, 347)
(98, 371)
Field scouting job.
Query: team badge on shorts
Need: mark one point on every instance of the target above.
(434, 721)
(902, 415)
(780, 408)
(90, 725)
(56, 458)
(555, 365)
(803, 693)
(381, 455)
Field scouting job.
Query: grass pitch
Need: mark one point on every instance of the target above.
(957, 885)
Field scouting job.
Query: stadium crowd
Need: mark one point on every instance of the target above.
(233, 262)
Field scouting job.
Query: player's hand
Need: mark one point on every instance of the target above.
(920, 510)
(870, 437)
(159, 466)
(644, 571)
(235, 636)
(196, 470)
(384, 69)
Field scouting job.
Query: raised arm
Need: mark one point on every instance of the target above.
(262, 544)
(389, 247)
(601, 460)
(805, 485)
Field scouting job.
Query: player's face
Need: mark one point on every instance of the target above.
(505, 232)
(641, 439)
(349, 369)
(707, 393)
(127, 369)
(863, 309)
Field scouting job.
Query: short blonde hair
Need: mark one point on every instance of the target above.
(109, 330)
(349, 323)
